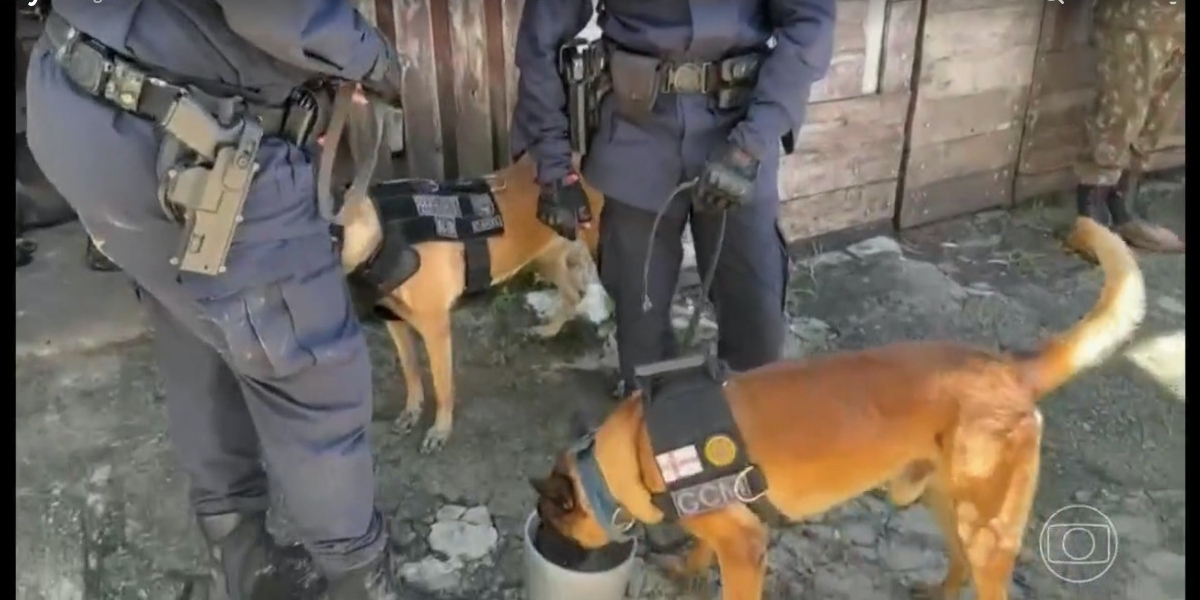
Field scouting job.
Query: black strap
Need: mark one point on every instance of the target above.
(479, 265)
(393, 263)
(104, 74)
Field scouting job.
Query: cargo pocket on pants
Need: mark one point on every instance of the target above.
(278, 330)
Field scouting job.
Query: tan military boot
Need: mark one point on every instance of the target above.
(1138, 233)
(1145, 235)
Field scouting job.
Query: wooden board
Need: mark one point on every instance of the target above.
(948, 6)
(846, 143)
(977, 64)
(866, 32)
(473, 113)
(947, 198)
(958, 158)
(940, 120)
(844, 78)
(972, 51)
(413, 33)
(899, 46)
(817, 214)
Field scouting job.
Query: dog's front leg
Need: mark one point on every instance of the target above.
(559, 271)
(406, 351)
(739, 541)
(690, 572)
(435, 330)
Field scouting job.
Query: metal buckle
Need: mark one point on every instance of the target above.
(622, 528)
(687, 78)
(742, 483)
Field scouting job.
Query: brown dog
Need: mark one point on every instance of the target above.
(424, 301)
(954, 426)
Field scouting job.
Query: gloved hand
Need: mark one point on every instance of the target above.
(563, 206)
(728, 179)
(386, 78)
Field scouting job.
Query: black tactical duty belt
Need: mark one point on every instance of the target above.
(710, 77)
(100, 72)
(697, 444)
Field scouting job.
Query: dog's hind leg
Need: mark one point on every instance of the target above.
(406, 350)
(739, 541)
(992, 511)
(435, 330)
(940, 507)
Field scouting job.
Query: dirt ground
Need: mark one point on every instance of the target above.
(102, 511)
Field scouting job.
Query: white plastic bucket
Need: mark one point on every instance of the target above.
(545, 580)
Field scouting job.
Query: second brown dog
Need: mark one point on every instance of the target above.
(424, 302)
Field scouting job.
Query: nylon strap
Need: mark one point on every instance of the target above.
(365, 141)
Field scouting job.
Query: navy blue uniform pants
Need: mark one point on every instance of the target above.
(267, 375)
(747, 291)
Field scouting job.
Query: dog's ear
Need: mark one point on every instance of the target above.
(556, 490)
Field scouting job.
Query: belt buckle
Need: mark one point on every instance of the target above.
(688, 78)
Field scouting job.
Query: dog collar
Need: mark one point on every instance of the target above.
(616, 521)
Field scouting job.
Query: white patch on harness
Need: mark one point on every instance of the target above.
(446, 227)
(482, 205)
(680, 463)
(445, 207)
(485, 224)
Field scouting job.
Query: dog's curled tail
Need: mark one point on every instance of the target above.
(1112, 320)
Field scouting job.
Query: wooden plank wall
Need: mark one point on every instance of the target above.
(1064, 77)
(931, 109)
(844, 170)
(461, 87)
(976, 65)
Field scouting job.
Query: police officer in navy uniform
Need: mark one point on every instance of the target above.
(264, 364)
(692, 120)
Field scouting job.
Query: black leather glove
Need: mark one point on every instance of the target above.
(386, 78)
(728, 179)
(563, 206)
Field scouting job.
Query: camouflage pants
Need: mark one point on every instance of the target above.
(1139, 96)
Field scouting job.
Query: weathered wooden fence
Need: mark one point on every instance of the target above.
(462, 83)
(931, 109)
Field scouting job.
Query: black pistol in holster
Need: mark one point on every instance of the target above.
(207, 191)
(581, 64)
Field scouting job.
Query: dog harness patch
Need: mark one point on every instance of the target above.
(697, 444)
(415, 211)
(680, 463)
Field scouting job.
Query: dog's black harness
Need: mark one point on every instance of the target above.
(697, 444)
(697, 447)
(414, 211)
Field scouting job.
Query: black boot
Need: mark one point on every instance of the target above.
(96, 260)
(247, 565)
(1092, 201)
(372, 581)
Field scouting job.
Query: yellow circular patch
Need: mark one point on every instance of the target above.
(720, 450)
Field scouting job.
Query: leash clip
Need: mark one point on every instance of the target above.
(622, 528)
(743, 482)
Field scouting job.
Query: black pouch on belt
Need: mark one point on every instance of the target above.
(635, 83)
